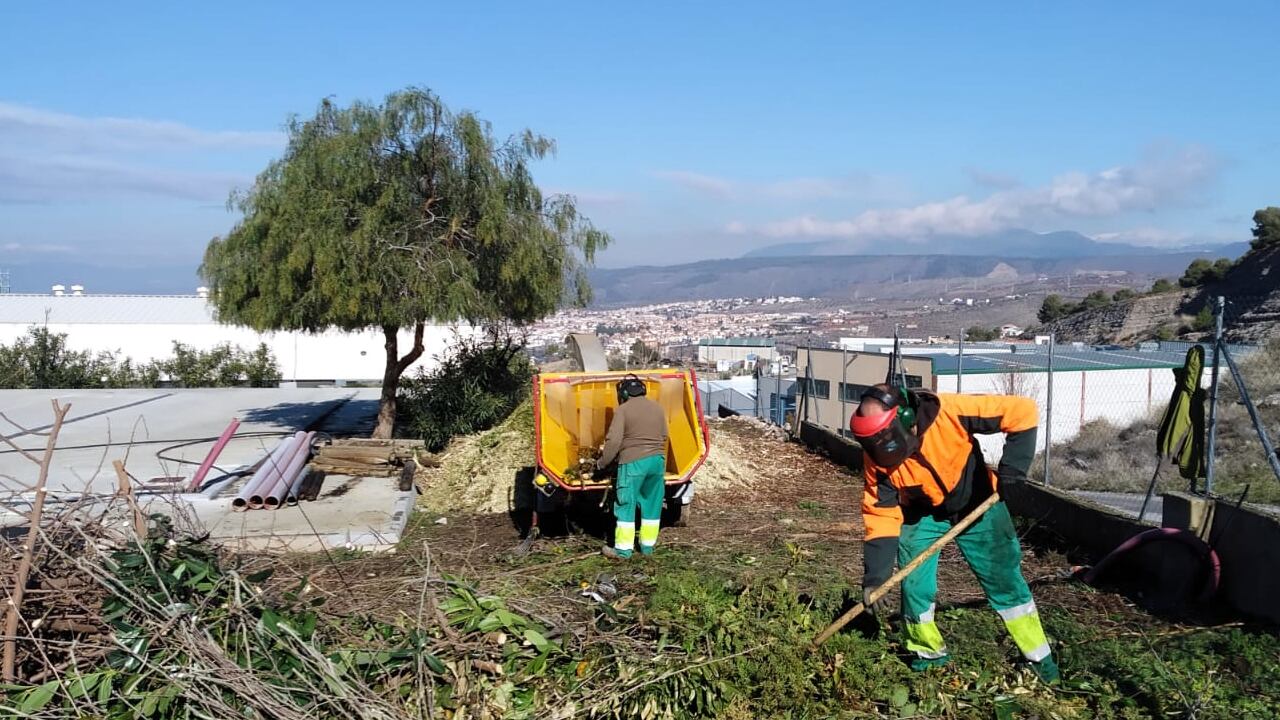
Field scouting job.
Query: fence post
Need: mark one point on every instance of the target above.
(1219, 307)
(960, 365)
(1048, 411)
(844, 378)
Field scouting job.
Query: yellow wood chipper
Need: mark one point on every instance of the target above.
(572, 412)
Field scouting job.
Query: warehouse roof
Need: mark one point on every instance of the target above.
(1073, 358)
(105, 309)
(737, 342)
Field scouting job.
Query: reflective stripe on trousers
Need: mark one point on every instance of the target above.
(990, 546)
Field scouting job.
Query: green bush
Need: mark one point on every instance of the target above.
(223, 366)
(472, 389)
(41, 359)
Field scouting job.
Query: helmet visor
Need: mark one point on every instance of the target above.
(889, 444)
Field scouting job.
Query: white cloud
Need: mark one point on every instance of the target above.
(1162, 177)
(30, 248)
(717, 187)
(991, 179)
(108, 134)
(800, 188)
(48, 156)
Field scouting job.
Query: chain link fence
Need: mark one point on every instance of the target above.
(1101, 409)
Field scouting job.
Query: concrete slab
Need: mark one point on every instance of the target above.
(167, 433)
(159, 433)
(354, 513)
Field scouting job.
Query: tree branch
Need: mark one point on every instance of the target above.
(416, 352)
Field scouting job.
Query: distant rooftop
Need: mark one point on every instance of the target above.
(89, 309)
(1035, 358)
(737, 342)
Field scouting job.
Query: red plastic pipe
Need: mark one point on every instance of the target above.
(205, 466)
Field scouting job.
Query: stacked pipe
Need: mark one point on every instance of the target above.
(279, 477)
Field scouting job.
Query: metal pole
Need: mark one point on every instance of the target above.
(1048, 412)
(1220, 305)
(844, 379)
(960, 365)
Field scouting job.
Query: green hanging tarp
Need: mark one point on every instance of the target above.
(1182, 429)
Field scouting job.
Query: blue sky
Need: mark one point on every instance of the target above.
(687, 130)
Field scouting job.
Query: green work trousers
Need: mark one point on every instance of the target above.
(991, 548)
(641, 484)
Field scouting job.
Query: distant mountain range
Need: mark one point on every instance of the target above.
(1010, 243)
(804, 269)
(851, 276)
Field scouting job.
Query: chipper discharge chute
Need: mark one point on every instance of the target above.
(572, 412)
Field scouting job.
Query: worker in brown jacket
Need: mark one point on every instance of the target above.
(637, 438)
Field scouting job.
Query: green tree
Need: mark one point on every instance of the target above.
(395, 215)
(1202, 272)
(1196, 273)
(1096, 299)
(1162, 285)
(1221, 267)
(1266, 228)
(978, 333)
(1204, 320)
(1123, 294)
(642, 355)
(1053, 308)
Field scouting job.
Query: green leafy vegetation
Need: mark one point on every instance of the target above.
(42, 359)
(1203, 272)
(695, 632)
(1161, 286)
(394, 215)
(1266, 228)
(475, 387)
(978, 333)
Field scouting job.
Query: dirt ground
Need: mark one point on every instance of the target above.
(754, 493)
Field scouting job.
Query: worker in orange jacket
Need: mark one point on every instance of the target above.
(924, 471)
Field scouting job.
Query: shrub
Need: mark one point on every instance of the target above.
(472, 389)
(223, 366)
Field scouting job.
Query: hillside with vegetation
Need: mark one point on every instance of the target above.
(1184, 309)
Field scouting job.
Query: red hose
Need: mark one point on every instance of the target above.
(1205, 552)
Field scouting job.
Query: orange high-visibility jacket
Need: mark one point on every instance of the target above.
(949, 461)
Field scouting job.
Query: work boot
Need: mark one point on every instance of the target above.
(920, 664)
(1047, 671)
(613, 553)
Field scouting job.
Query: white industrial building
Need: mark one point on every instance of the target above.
(1118, 385)
(734, 351)
(144, 327)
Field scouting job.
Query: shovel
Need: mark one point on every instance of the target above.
(902, 574)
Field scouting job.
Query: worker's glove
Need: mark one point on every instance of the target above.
(880, 608)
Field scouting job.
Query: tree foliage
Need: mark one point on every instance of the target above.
(1202, 272)
(1123, 294)
(474, 388)
(978, 333)
(1162, 285)
(1054, 308)
(1266, 228)
(395, 215)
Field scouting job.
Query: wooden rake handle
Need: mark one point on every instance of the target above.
(897, 578)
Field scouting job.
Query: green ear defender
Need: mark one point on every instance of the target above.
(907, 410)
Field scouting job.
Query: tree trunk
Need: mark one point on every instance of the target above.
(394, 368)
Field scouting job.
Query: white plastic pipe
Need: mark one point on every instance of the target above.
(295, 486)
(258, 497)
(272, 460)
(276, 495)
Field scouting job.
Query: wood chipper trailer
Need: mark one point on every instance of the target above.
(572, 411)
